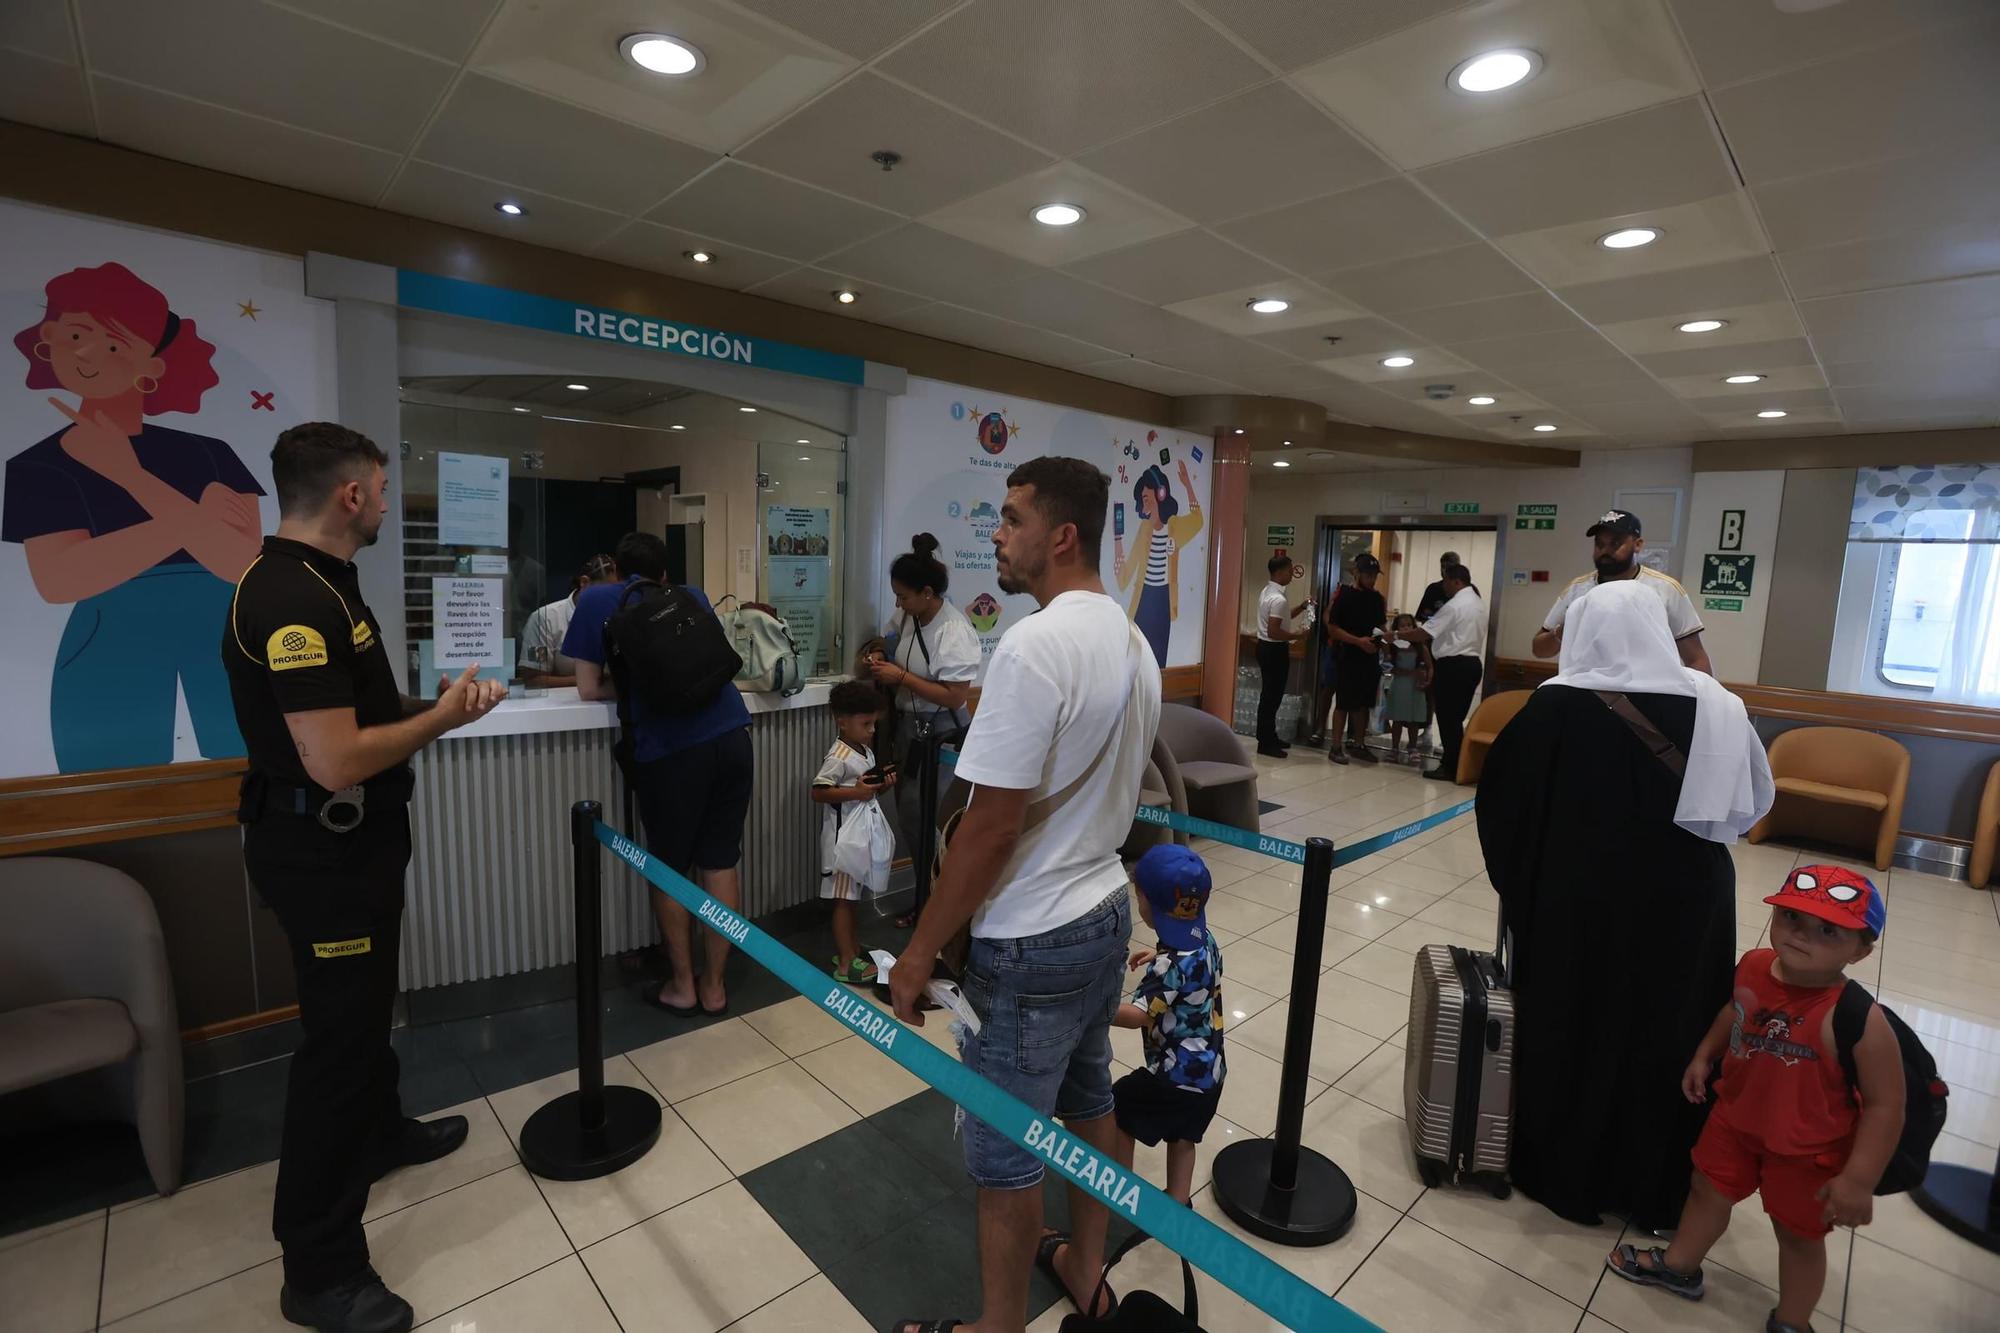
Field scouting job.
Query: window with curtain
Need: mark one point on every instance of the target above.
(1924, 548)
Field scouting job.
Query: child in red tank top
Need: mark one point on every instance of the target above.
(1786, 1125)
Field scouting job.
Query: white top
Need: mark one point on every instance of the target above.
(1158, 553)
(843, 766)
(1458, 628)
(1272, 604)
(543, 635)
(1071, 687)
(1621, 643)
(949, 652)
(1681, 618)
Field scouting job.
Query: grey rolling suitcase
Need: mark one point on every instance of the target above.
(1458, 1071)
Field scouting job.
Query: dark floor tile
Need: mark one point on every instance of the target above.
(927, 1268)
(433, 1076)
(235, 1119)
(921, 1126)
(64, 1171)
(836, 1196)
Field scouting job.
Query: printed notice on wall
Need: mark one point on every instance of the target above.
(472, 500)
(798, 576)
(468, 617)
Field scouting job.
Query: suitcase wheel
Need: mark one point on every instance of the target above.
(1430, 1172)
(1498, 1187)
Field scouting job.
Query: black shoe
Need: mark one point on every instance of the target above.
(1438, 774)
(422, 1141)
(359, 1305)
(1333, 752)
(1362, 753)
(1274, 752)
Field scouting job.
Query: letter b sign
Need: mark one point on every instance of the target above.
(1732, 530)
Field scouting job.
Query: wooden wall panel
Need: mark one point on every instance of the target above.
(77, 809)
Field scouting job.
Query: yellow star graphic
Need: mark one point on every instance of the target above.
(246, 310)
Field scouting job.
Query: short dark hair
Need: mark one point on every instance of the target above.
(1448, 558)
(1277, 562)
(641, 553)
(313, 457)
(919, 568)
(1458, 574)
(1069, 490)
(853, 698)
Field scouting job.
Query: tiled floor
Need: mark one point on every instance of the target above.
(802, 1181)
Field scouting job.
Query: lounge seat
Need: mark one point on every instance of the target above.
(1839, 785)
(1495, 711)
(1986, 832)
(1221, 781)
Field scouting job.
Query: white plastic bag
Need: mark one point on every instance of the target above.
(864, 846)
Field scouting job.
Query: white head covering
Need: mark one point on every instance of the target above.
(1616, 638)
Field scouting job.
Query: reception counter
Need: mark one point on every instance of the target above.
(490, 878)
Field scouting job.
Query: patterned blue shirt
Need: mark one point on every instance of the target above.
(1182, 996)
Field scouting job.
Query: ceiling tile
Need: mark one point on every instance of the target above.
(1873, 199)
(1432, 366)
(1751, 323)
(1729, 358)
(756, 73)
(1247, 154)
(1597, 382)
(916, 258)
(1570, 429)
(1737, 282)
(188, 131)
(1174, 268)
(945, 156)
(1619, 418)
(269, 62)
(1707, 231)
(1388, 220)
(1743, 409)
(42, 92)
(814, 289)
(443, 28)
(1503, 316)
(1944, 376)
(496, 130)
(741, 205)
(39, 28)
(1953, 318)
(1231, 313)
(1504, 355)
(1152, 376)
(1074, 307)
(1746, 423)
(1598, 60)
(1651, 159)
(975, 328)
(1733, 41)
(1291, 381)
(1226, 358)
(1936, 90)
(1471, 384)
(1356, 337)
(1067, 76)
(1290, 34)
(1777, 379)
(1475, 272)
(659, 249)
(442, 195)
(1894, 261)
(1114, 217)
(860, 31)
(1884, 409)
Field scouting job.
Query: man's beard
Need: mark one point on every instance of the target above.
(369, 535)
(1611, 567)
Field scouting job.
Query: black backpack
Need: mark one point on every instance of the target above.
(665, 647)
(1924, 1092)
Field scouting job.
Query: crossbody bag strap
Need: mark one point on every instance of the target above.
(1650, 736)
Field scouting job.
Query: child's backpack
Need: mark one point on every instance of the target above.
(1924, 1092)
(764, 641)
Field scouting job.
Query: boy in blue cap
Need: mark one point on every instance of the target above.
(1178, 1006)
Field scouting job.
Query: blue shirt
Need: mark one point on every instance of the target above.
(1182, 996)
(653, 736)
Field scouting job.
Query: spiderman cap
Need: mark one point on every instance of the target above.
(1836, 894)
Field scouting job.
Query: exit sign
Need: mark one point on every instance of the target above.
(1281, 534)
(1461, 506)
(1535, 511)
(1722, 603)
(1534, 525)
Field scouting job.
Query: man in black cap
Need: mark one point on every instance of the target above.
(1353, 618)
(1618, 539)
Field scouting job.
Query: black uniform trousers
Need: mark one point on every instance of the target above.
(1276, 660)
(1456, 681)
(339, 897)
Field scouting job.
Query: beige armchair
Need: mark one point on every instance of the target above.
(1838, 785)
(85, 997)
(1483, 728)
(1161, 789)
(1221, 781)
(1986, 832)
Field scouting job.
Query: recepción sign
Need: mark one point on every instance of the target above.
(474, 300)
(1727, 574)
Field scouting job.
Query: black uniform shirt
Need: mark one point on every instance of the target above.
(1359, 611)
(299, 638)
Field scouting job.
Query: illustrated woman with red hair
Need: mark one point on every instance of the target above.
(141, 529)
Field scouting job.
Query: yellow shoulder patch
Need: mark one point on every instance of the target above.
(344, 948)
(364, 636)
(295, 646)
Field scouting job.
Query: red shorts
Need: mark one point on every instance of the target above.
(1737, 1164)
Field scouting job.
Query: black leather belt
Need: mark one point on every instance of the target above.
(337, 811)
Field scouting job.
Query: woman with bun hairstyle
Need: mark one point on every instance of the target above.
(142, 530)
(930, 658)
(1164, 531)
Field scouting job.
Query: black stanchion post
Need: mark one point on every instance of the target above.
(1965, 1199)
(595, 1130)
(927, 797)
(1273, 1187)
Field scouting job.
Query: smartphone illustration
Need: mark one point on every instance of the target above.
(1118, 519)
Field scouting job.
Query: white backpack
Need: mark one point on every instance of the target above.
(764, 641)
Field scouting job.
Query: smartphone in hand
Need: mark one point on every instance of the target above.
(1118, 519)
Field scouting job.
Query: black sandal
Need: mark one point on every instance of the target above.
(650, 994)
(927, 1325)
(1045, 1259)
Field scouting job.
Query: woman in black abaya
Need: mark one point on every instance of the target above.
(1617, 888)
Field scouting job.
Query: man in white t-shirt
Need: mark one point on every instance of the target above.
(1456, 633)
(1057, 749)
(1275, 633)
(1617, 539)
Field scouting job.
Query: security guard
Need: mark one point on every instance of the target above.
(327, 840)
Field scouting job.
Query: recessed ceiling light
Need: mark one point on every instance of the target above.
(520, 409)
(510, 208)
(1239, 430)
(845, 297)
(1482, 400)
(699, 256)
(577, 388)
(677, 427)
(1703, 325)
(1741, 379)
(803, 459)
(746, 409)
(1269, 305)
(1629, 238)
(1398, 362)
(1490, 71)
(802, 441)
(657, 53)
(1771, 413)
(1545, 427)
(1280, 462)
(1058, 215)
(1287, 444)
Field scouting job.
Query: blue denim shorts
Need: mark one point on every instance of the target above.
(1045, 1005)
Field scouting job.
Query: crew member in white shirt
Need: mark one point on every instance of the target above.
(1617, 539)
(543, 664)
(1057, 749)
(1275, 633)
(1457, 636)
